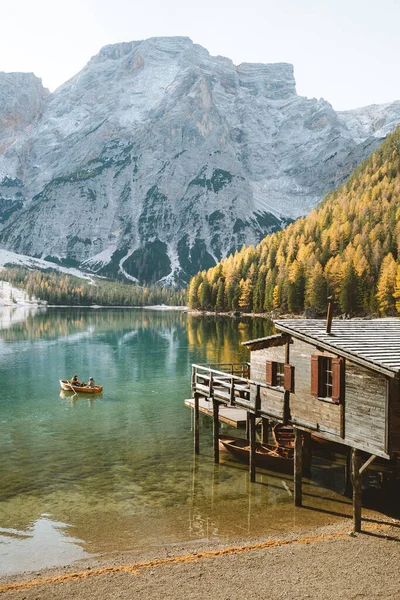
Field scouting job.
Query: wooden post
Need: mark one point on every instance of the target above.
(347, 474)
(252, 444)
(306, 453)
(247, 425)
(298, 466)
(357, 492)
(329, 315)
(196, 424)
(287, 353)
(216, 430)
(286, 394)
(264, 430)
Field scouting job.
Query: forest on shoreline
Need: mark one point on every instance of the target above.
(348, 248)
(61, 289)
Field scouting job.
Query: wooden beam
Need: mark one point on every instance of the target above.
(252, 444)
(286, 396)
(286, 407)
(264, 430)
(271, 341)
(287, 352)
(367, 463)
(196, 424)
(298, 466)
(216, 430)
(347, 473)
(307, 453)
(357, 491)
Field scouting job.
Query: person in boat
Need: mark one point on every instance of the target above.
(75, 381)
(91, 382)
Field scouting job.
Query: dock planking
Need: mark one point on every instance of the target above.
(233, 416)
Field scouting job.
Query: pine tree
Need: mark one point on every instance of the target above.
(220, 303)
(349, 297)
(386, 286)
(205, 295)
(316, 291)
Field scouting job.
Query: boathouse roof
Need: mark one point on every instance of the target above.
(373, 343)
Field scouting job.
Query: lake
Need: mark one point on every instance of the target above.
(82, 476)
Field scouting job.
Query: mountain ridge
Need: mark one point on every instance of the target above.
(158, 159)
(348, 247)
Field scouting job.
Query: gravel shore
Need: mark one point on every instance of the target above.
(325, 563)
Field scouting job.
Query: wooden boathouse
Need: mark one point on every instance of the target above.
(336, 380)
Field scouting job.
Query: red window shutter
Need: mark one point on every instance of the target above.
(337, 380)
(270, 372)
(288, 378)
(315, 371)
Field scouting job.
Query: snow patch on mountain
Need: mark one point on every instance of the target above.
(12, 259)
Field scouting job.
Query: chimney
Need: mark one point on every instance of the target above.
(329, 315)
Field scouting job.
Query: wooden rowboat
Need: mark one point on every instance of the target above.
(78, 389)
(226, 439)
(268, 456)
(283, 435)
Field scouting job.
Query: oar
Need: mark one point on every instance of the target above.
(72, 389)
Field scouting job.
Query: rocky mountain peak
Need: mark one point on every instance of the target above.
(274, 81)
(22, 101)
(157, 159)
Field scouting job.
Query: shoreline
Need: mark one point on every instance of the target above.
(94, 306)
(326, 562)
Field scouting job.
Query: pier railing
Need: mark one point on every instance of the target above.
(230, 383)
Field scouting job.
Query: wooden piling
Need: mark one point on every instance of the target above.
(347, 474)
(307, 453)
(357, 491)
(298, 466)
(252, 444)
(196, 424)
(216, 430)
(264, 430)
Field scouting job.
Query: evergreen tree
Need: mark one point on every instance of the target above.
(221, 301)
(349, 297)
(316, 292)
(386, 286)
(205, 295)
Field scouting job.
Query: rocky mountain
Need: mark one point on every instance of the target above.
(158, 159)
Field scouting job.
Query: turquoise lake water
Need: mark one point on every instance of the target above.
(81, 476)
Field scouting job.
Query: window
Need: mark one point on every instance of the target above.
(327, 378)
(273, 373)
(279, 374)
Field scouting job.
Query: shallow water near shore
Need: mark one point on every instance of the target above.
(87, 475)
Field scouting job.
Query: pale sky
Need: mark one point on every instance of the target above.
(346, 51)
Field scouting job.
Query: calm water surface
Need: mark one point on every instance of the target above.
(81, 475)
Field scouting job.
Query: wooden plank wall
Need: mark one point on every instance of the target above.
(365, 407)
(304, 409)
(271, 400)
(394, 416)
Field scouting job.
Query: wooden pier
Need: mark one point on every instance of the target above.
(230, 415)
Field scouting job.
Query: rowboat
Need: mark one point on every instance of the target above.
(268, 456)
(78, 389)
(283, 435)
(226, 439)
